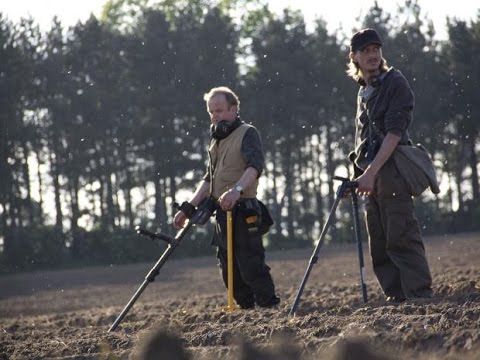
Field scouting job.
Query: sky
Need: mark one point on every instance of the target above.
(339, 14)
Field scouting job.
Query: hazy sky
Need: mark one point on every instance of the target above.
(337, 13)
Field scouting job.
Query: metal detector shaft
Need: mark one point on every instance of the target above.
(314, 258)
(356, 226)
(172, 244)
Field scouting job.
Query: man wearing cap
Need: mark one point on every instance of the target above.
(385, 104)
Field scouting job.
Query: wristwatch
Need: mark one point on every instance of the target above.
(239, 189)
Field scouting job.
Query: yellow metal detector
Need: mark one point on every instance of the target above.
(230, 305)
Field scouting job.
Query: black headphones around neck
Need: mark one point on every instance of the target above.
(224, 128)
(375, 81)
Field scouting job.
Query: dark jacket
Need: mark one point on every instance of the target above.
(389, 107)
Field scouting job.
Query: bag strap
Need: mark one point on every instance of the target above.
(372, 129)
(211, 167)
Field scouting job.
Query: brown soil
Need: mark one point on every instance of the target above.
(66, 315)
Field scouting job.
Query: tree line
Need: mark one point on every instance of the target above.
(104, 127)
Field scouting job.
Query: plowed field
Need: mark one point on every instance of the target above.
(66, 314)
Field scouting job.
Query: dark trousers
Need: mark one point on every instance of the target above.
(396, 245)
(252, 282)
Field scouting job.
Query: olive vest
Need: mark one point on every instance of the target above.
(228, 165)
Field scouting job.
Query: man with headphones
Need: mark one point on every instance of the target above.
(385, 104)
(236, 162)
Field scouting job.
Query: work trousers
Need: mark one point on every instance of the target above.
(396, 245)
(251, 275)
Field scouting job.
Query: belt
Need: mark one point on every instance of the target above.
(249, 203)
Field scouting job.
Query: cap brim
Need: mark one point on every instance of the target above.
(370, 43)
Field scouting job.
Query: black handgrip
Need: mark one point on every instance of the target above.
(350, 183)
(154, 236)
(141, 231)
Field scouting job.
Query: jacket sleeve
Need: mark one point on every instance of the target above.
(399, 110)
(252, 151)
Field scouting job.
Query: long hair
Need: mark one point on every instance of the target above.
(354, 72)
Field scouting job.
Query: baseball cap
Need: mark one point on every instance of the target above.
(363, 38)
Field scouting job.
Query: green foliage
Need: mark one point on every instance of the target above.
(99, 246)
(122, 14)
(108, 118)
(36, 247)
(44, 247)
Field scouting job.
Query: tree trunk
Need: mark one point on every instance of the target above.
(276, 209)
(40, 191)
(317, 170)
(109, 198)
(172, 193)
(56, 184)
(101, 193)
(107, 173)
(128, 198)
(330, 170)
(289, 183)
(74, 202)
(76, 240)
(473, 158)
(450, 186)
(158, 200)
(305, 189)
(28, 186)
(458, 184)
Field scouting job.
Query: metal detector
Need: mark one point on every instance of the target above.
(347, 187)
(200, 216)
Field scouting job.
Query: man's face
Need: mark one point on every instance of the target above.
(219, 109)
(368, 59)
